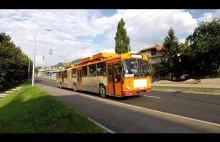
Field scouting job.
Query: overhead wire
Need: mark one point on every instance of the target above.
(125, 28)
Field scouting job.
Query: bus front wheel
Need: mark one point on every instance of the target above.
(102, 91)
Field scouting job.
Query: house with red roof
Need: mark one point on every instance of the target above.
(154, 53)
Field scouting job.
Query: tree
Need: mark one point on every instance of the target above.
(122, 41)
(204, 47)
(170, 61)
(36, 70)
(13, 62)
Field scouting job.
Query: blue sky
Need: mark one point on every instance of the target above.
(109, 12)
(196, 13)
(72, 31)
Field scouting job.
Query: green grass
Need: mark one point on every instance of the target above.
(31, 110)
(198, 90)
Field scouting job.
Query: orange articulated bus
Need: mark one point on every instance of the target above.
(108, 74)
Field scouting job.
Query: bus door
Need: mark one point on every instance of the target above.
(79, 78)
(114, 79)
(117, 79)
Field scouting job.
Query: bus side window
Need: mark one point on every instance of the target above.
(65, 74)
(73, 73)
(101, 69)
(110, 73)
(92, 70)
(84, 71)
(117, 73)
(58, 75)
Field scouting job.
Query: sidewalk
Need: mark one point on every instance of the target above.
(206, 86)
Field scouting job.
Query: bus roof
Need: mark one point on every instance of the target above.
(97, 57)
(104, 57)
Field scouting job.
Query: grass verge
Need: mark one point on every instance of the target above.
(31, 110)
(192, 90)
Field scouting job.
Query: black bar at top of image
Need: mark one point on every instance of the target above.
(108, 4)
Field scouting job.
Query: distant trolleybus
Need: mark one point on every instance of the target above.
(108, 74)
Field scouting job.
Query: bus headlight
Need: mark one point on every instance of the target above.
(128, 87)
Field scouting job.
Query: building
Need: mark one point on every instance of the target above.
(154, 53)
(47, 72)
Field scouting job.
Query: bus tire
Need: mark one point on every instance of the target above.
(102, 91)
(74, 87)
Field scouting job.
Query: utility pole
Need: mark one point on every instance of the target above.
(43, 63)
(34, 59)
(29, 69)
(35, 54)
(50, 53)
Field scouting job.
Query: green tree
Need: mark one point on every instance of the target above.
(13, 62)
(204, 47)
(170, 61)
(122, 41)
(36, 70)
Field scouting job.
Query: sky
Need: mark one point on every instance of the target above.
(73, 34)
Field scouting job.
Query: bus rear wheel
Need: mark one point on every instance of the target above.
(102, 91)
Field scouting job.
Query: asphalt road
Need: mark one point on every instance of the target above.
(123, 116)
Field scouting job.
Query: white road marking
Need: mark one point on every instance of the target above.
(156, 111)
(151, 96)
(108, 130)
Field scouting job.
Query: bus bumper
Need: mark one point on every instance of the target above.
(136, 92)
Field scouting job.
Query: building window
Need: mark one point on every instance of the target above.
(92, 70)
(84, 71)
(101, 69)
(73, 73)
(153, 52)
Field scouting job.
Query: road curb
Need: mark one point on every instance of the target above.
(187, 92)
(184, 87)
(183, 91)
(100, 125)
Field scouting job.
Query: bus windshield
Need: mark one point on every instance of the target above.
(134, 68)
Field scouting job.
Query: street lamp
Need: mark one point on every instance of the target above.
(179, 57)
(35, 53)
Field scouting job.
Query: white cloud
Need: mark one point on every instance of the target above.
(39, 59)
(109, 50)
(73, 30)
(209, 16)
